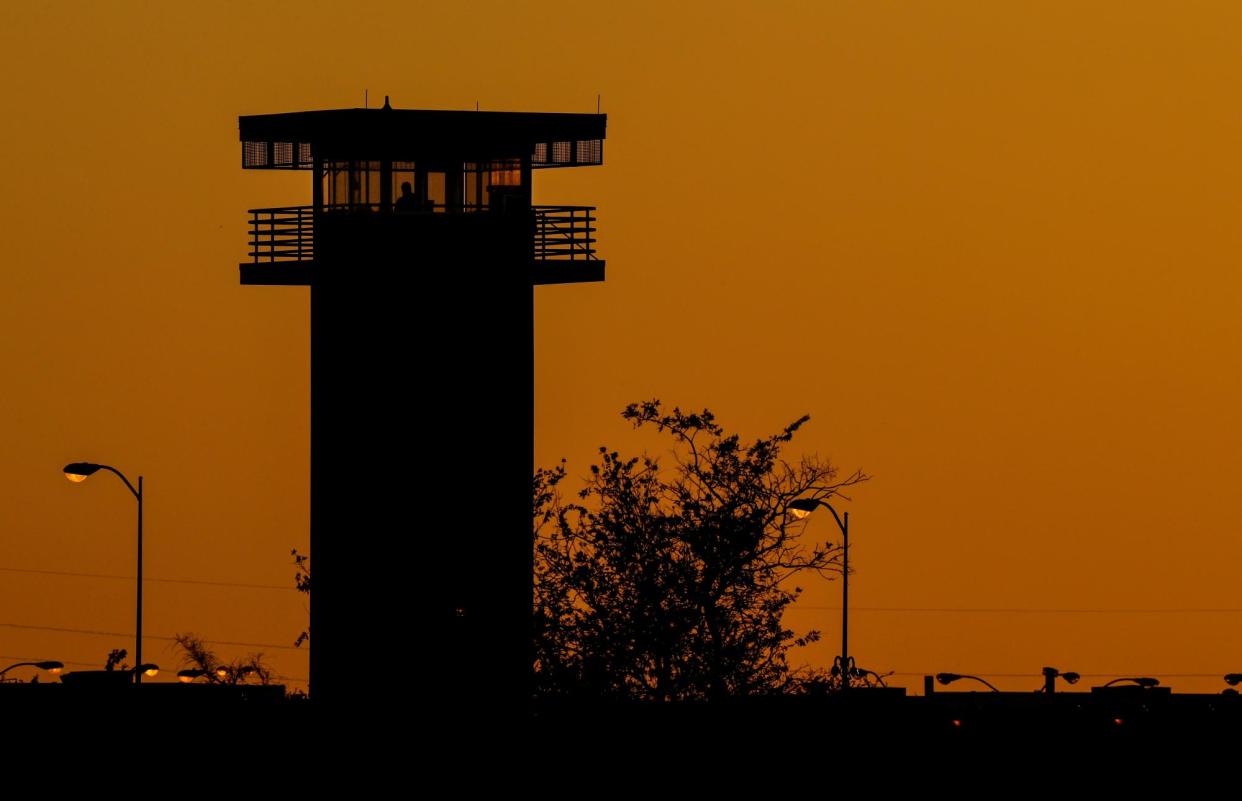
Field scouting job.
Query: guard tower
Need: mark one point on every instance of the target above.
(421, 248)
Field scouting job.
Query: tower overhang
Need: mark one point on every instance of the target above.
(295, 140)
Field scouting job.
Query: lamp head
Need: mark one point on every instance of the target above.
(802, 507)
(187, 676)
(947, 678)
(1233, 679)
(1146, 681)
(148, 669)
(51, 666)
(1070, 676)
(80, 471)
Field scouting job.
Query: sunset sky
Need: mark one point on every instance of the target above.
(989, 247)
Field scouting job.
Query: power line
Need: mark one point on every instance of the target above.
(1228, 610)
(40, 659)
(1084, 675)
(282, 677)
(97, 632)
(952, 610)
(149, 579)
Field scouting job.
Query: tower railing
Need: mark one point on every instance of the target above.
(282, 234)
(564, 233)
(287, 233)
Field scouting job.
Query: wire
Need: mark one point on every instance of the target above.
(1229, 610)
(40, 659)
(298, 679)
(1084, 675)
(99, 633)
(1224, 610)
(149, 579)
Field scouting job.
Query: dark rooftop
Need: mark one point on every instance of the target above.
(409, 134)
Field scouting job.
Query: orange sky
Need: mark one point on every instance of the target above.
(989, 247)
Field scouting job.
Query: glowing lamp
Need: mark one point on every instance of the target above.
(51, 666)
(78, 472)
(802, 507)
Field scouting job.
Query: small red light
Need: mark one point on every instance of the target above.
(1118, 721)
(957, 724)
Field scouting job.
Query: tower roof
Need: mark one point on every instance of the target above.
(292, 140)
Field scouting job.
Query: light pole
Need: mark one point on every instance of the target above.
(51, 666)
(1050, 679)
(1145, 682)
(800, 509)
(949, 678)
(80, 471)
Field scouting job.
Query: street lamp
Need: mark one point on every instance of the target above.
(1050, 679)
(78, 472)
(949, 678)
(51, 666)
(1146, 682)
(801, 508)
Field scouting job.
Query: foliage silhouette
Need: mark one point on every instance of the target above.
(116, 657)
(196, 655)
(302, 580)
(669, 585)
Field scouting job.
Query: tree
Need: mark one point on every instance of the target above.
(671, 584)
(198, 657)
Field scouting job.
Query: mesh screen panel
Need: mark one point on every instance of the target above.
(590, 151)
(254, 154)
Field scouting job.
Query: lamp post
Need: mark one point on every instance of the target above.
(949, 678)
(800, 508)
(51, 666)
(1146, 682)
(80, 471)
(1050, 679)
